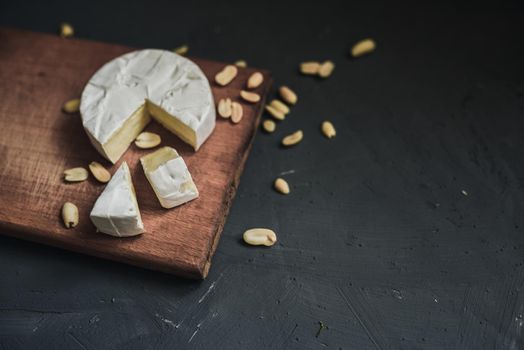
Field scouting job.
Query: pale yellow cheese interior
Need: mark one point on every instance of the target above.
(122, 138)
(119, 142)
(174, 125)
(153, 160)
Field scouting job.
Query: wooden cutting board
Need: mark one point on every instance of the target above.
(38, 73)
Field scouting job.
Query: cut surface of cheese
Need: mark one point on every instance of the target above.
(116, 211)
(122, 96)
(167, 173)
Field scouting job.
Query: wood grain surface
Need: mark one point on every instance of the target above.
(38, 142)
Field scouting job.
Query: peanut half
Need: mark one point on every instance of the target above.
(224, 107)
(237, 113)
(279, 105)
(269, 125)
(181, 50)
(288, 95)
(248, 96)
(241, 63)
(260, 236)
(275, 113)
(255, 80)
(281, 186)
(66, 30)
(326, 69)
(147, 140)
(328, 129)
(71, 106)
(309, 68)
(99, 172)
(70, 214)
(293, 138)
(363, 47)
(75, 174)
(226, 75)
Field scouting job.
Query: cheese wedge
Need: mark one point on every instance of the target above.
(122, 96)
(116, 211)
(167, 173)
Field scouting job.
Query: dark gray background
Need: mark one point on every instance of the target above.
(376, 240)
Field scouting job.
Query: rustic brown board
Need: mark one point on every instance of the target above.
(38, 72)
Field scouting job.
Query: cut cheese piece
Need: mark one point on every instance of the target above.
(167, 173)
(116, 211)
(122, 96)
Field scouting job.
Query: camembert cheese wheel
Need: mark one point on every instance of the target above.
(122, 96)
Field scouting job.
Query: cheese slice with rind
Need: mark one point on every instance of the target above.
(167, 173)
(116, 211)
